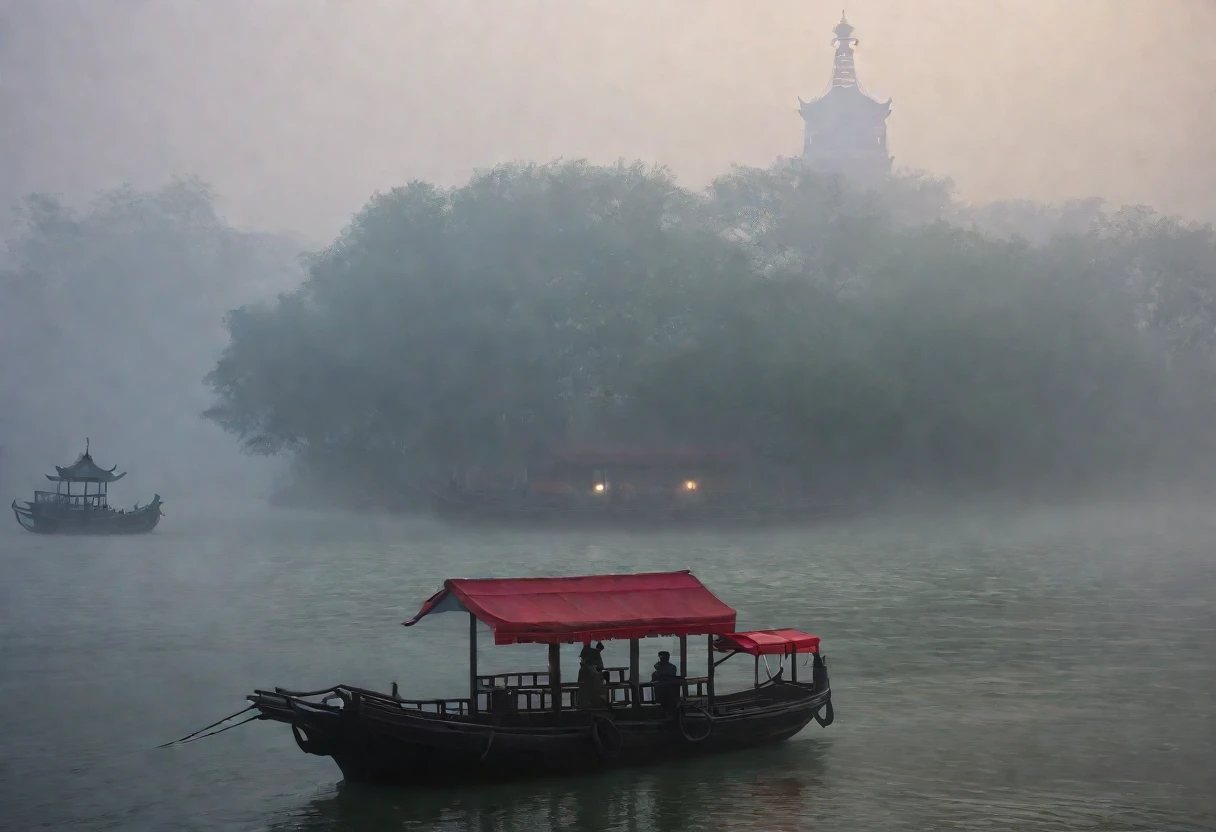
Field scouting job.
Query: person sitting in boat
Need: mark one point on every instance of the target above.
(666, 678)
(592, 692)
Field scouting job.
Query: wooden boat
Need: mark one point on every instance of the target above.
(63, 512)
(518, 725)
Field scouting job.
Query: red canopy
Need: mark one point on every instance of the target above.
(769, 642)
(585, 608)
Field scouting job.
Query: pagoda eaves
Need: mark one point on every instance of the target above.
(84, 469)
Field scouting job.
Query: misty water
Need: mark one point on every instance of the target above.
(999, 669)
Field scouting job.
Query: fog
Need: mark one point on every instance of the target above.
(109, 318)
(1013, 124)
(297, 110)
(347, 257)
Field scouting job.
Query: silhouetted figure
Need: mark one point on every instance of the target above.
(593, 655)
(592, 692)
(666, 677)
(819, 673)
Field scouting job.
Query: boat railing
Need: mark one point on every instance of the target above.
(442, 707)
(528, 692)
(695, 687)
(528, 698)
(525, 698)
(51, 498)
(514, 680)
(540, 679)
(692, 687)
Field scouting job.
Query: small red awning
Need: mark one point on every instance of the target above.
(585, 608)
(769, 642)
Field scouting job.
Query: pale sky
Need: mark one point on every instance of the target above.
(298, 110)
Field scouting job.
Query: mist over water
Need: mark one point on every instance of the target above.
(320, 255)
(1046, 670)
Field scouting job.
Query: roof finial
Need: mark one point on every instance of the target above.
(843, 72)
(86, 446)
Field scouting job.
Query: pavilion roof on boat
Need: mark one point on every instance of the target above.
(585, 608)
(768, 642)
(84, 469)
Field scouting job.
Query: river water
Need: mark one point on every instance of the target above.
(1048, 670)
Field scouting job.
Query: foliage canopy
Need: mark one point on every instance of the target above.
(893, 335)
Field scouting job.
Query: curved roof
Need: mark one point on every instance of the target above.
(850, 100)
(84, 469)
(586, 607)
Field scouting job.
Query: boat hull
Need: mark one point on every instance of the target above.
(377, 743)
(88, 522)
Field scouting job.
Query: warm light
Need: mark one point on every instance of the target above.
(691, 485)
(599, 487)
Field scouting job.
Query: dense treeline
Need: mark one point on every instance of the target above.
(892, 336)
(110, 316)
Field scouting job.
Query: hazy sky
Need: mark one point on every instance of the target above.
(297, 110)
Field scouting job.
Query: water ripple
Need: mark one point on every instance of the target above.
(1047, 671)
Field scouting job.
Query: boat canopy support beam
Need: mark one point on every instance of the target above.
(684, 656)
(635, 681)
(472, 665)
(555, 676)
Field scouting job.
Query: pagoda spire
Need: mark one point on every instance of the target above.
(844, 72)
(845, 129)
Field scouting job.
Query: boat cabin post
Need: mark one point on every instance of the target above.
(709, 684)
(472, 664)
(794, 664)
(635, 680)
(684, 657)
(555, 676)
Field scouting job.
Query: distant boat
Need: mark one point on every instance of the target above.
(63, 512)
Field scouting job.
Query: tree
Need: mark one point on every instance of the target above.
(109, 317)
(843, 335)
